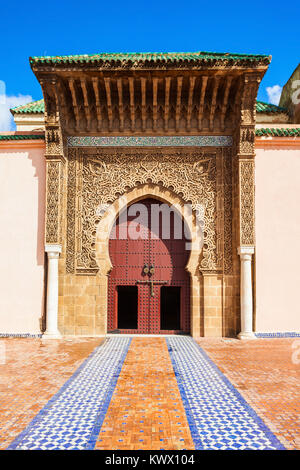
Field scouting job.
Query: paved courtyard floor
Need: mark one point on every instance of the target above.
(149, 393)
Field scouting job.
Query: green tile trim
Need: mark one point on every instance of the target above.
(262, 107)
(22, 137)
(278, 132)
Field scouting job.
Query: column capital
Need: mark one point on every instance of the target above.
(245, 251)
(52, 250)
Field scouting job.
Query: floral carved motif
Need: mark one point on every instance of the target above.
(102, 176)
(247, 232)
(228, 211)
(71, 201)
(247, 139)
(53, 198)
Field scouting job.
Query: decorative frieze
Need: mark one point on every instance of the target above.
(147, 141)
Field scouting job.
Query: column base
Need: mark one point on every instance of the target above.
(54, 335)
(246, 335)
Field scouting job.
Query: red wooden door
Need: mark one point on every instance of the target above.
(141, 301)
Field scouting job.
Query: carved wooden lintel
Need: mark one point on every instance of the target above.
(178, 102)
(201, 103)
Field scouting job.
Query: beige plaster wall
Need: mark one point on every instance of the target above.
(277, 239)
(22, 202)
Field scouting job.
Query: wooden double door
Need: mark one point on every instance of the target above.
(148, 286)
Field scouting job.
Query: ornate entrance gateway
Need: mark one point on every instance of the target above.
(148, 288)
(178, 127)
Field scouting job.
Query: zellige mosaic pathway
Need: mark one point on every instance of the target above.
(219, 417)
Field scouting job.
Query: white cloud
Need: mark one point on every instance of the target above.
(274, 93)
(7, 102)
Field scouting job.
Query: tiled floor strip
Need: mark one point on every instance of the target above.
(73, 417)
(218, 416)
(146, 411)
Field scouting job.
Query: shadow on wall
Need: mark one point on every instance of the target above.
(39, 164)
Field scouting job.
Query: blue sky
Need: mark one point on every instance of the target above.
(75, 27)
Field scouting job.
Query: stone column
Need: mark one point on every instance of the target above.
(52, 332)
(246, 253)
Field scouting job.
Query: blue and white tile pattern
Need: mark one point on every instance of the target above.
(73, 417)
(291, 334)
(218, 416)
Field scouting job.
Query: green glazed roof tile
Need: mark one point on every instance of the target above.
(143, 57)
(278, 132)
(35, 107)
(21, 136)
(262, 107)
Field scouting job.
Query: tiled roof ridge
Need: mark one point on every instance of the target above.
(263, 107)
(147, 57)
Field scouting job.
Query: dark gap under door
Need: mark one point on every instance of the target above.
(127, 307)
(170, 308)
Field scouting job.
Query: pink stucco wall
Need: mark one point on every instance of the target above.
(22, 202)
(278, 239)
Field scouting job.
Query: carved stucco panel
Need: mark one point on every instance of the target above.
(53, 200)
(247, 214)
(101, 176)
(71, 210)
(228, 210)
